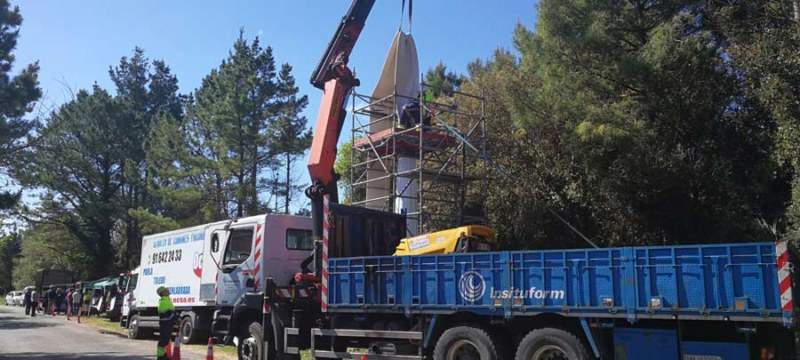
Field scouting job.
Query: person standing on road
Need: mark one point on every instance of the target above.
(166, 321)
(59, 299)
(26, 300)
(49, 300)
(34, 302)
(76, 301)
(87, 300)
(68, 299)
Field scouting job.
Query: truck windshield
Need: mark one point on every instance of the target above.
(238, 249)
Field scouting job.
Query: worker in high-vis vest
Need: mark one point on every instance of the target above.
(166, 321)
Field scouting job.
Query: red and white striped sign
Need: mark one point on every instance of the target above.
(325, 228)
(784, 276)
(257, 258)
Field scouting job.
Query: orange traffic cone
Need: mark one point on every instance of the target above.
(364, 357)
(176, 349)
(210, 351)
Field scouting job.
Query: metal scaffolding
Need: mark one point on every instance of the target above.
(418, 155)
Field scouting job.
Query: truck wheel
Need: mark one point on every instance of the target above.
(189, 334)
(249, 347)
(550, 343)
(135, 331)
(465, 343)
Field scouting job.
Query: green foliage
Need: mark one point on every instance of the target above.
(344, 159)
(244, 121)
(145, 92)
(150, 223)
(49, 246)
(764, 48)
(82, 165)
(228, 120)
(440, 82)
(10, 247)
(288, 135)
(627, 119)
(18, 93)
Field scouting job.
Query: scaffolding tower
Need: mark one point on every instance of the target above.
(414, 160)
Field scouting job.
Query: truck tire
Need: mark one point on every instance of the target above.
(250, 345)
(465, 343)
(135, 331)
(189, 334)
(551, 343)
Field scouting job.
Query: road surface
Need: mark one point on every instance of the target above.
(44, 337)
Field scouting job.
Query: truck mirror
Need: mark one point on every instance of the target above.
(214, 243)
(250, 282)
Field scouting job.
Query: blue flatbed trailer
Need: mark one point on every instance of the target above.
(720, 301)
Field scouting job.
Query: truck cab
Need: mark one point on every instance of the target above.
(250, 250)
(128, 299)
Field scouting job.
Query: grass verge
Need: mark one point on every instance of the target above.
(105, 326)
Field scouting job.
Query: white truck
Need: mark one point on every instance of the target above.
(209, 267)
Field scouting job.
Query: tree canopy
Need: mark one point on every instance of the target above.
(18, 94)
(636, 122)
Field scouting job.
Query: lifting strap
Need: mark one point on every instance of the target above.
(410, 13)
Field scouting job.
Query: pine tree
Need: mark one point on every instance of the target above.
(18, 93)
(226, 127)
(627, 118)
(145, 91)
(79, 159)
(441, 82)
(289, 136)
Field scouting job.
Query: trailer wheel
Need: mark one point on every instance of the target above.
(135, 331)
(465, 343)
(551, 344)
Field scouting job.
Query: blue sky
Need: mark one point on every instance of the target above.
(76, 41)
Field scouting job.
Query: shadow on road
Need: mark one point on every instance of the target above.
(66, 356)
(10, 322)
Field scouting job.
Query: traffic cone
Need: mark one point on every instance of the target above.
(168, 350)
(364, 357)
(176, 349)
(210, 351)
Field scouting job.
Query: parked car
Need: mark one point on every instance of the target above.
(10, 298)
(19, 296)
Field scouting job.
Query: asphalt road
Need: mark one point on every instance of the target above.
(44, 337)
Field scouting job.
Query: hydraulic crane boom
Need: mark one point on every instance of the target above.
(336, 80)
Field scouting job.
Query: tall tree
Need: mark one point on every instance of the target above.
(144, 91)
(626, 118)
(763, 38)
(18, 93)
(289, 137)
(80, 160)
(225, 133)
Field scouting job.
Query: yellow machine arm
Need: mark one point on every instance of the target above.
(470, 238)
